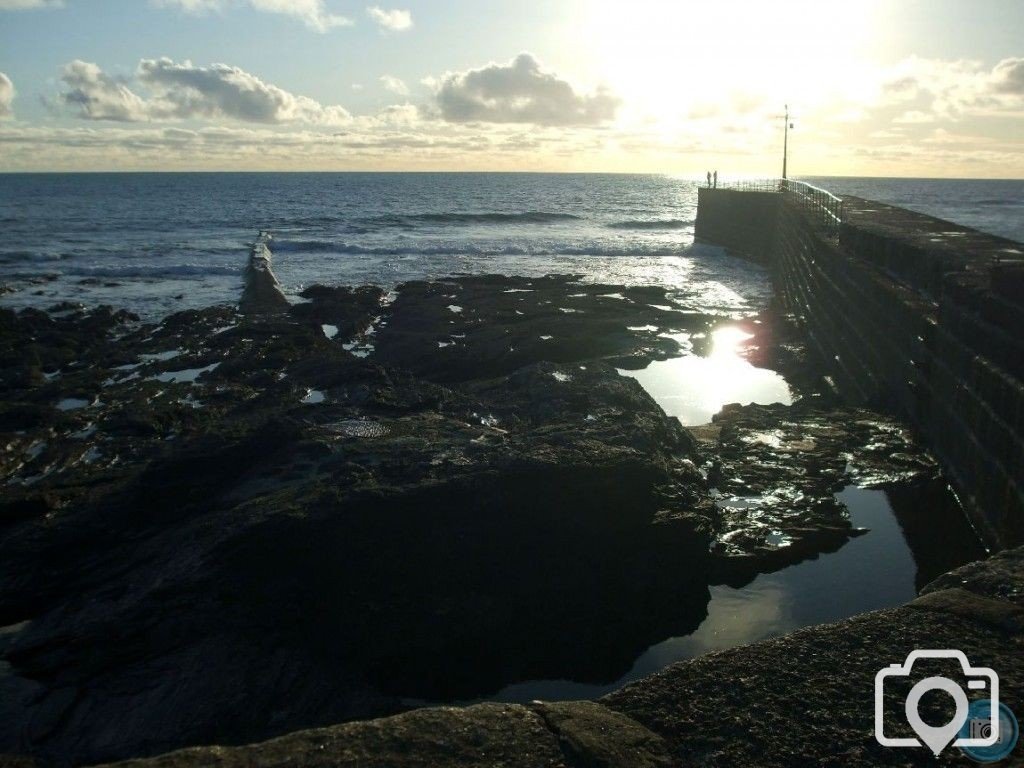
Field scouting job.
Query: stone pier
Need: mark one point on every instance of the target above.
(909, 313)
(262, 293)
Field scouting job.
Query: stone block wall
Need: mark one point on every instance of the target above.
(914, 315)
(751, 233)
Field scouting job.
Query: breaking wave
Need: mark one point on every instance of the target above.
(477, 249)
(651, 224)
(525, 217)
(12, 257)
(171, 270)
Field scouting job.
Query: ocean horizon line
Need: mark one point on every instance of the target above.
(698, 177)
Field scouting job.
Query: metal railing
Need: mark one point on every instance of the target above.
(752, 185)
(821, 206)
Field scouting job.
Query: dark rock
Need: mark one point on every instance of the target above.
(482, 736)
(214, 547)
(1000, 576)
(593, 735)
(351, 310)
(483, 326)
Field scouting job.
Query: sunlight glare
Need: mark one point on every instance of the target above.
(673, 60)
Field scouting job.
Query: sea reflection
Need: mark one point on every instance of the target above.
(876, 570)
(694, 388)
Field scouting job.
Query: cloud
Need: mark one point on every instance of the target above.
(220, 90)
(1008, 77)
(391, 139)
(394, 20)
(99, 96)
(27, 5)
(913, 116)
(313, 13)
(951, 89)
(394, 84)
(182, 91)
(519, 92)
(6, 95)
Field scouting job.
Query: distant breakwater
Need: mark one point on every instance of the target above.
(911, 313)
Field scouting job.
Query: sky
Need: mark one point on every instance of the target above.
(925, 88)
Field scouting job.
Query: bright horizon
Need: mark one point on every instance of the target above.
(887, 89)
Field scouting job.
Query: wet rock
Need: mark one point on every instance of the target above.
(777, 469)
(349, 310)
(483, 326)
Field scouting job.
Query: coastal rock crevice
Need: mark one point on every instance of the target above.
(226, 526)
(237, 528)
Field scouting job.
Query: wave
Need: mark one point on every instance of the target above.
(171, 270)
(998, 201)
(651, 224)
(472, 249)
(305, 246)
(12, 257)
(524, 217)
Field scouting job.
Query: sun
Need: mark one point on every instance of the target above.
(671, 60)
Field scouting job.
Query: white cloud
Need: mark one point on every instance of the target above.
(913, 116)
(391, 139)
(394, 20)
(394, 84)
(220, 90)
(192, 6)
(184, 91)
(313, 13)
(952, 89)
(25, 5)
(519, 92)
(99, 96)
(6, 95)
(1008, 77)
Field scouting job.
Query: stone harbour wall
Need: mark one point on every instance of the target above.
(910, 313)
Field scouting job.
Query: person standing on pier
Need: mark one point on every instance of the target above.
(716, 179)
(709, 179)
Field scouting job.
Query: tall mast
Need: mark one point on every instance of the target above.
(785, 142)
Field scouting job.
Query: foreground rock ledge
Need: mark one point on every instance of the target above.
(802, 699)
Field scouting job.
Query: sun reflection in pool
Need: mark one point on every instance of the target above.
(694, 388)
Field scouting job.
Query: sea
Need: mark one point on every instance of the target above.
(156, 243)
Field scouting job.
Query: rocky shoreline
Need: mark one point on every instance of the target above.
(238, 524)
